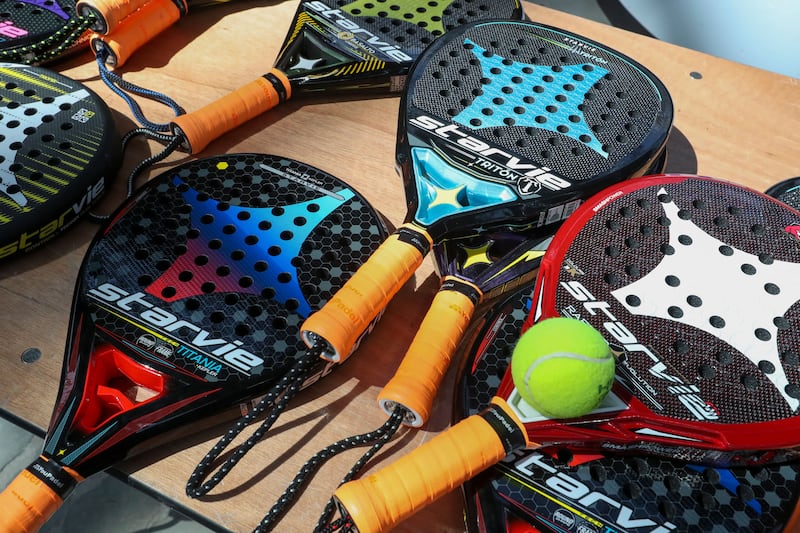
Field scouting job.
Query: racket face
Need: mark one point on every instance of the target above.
(690, 281)
(349, 45)
(59, 148)
(190, 300)
(30, 21)
(517, 122)
(556, 490)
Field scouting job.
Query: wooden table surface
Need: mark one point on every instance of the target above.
(731, 121)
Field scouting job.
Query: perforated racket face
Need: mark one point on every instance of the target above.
(360, 44)
(691, 280)
(515, 120)
(207, 274)
(58, 149)
(24, 22)
(556, 490)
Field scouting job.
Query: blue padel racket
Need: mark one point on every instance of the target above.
(58, 151)
(556, 490)
(189, 302)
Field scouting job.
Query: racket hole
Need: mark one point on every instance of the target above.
(264, 225)
(766, 259)
(284, 277)
(646, 230)
(681, 346)
(237, 255)
(141, 254)
(632, 243)
(724, 357)
(790, 359)
(694, 300)
(684, 240)
(223, 271)
(749, 381)
(274, 251)
(192, 304)
(766, 367)
(762, 334)
(748, 269)
(201, 260)
(279, 323)
(215, 244)
(612, 251)
(223, 206)
(260, 266)
(771, 288)
(792, 390)
(632, 490)
(667, 249)
(612, 224)
(168, 292)
(633, 300)
(675, 312)
(208, 287)
(245, 282)
(759, 230)
(217, 317)
(242, 330)
(610, 278)
(726, 250)
(667, 509)
(672, 281)
(721, 222)
(292, 305)
(255, 311)
(781, 323)
(163, 265)
(229, 229)
(193, 233)
(186, 275)
(144, 281)
(632, 270)
(664, 221)
(598, 473)
(717, 321)
(706, 371)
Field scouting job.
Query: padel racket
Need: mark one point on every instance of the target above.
(668, 268)
(502, 124)
(339, 45)
(26, 23)
(555, 490)
(59, 148)
(189, 302)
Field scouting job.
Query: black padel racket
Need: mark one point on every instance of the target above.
(502, 124)
(556, 490)
(189, 302)
(339, 45)
(690, 279)
(59, 148)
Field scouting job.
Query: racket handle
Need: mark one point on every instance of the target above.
(417, 380)
(390, 495)
(31, 498)
(343, 320)
(137, 29)
(109, 13)
(201, 127)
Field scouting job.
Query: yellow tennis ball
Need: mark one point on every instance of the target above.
(562, 367)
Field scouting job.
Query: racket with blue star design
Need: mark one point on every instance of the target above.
(336, 46)
(189, 303)
(502, 125)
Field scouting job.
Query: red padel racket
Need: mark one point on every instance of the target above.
(58, 150)
(335, 46)
(502, 124)
(189, 302)
(690, 280)
(558, 491)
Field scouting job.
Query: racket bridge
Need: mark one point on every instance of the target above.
(115, 384)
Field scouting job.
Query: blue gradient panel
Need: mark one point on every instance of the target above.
(521, 78)
(279, 240)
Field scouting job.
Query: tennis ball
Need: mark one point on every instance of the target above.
(562, 367)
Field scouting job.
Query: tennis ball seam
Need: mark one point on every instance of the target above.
(567, 355)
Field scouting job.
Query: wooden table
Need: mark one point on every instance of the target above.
(731, 121)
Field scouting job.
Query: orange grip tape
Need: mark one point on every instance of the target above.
(383, 499)
(352, 309)
(27, 503)
(416, 382)
(201, 127)
(109, 13)
(136, 30)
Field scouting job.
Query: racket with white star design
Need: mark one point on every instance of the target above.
(58, 150)
(556, 490)
(690, 279)
(335, 46)
(188, 303)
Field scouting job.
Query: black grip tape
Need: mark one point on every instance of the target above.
(52, 475)
(511, 435)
